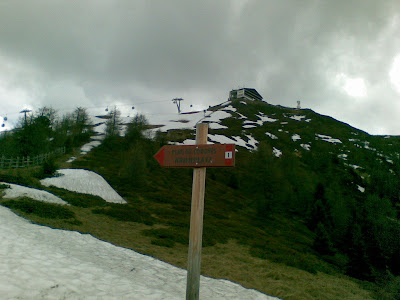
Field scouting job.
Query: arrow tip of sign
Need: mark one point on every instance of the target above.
(159, 156)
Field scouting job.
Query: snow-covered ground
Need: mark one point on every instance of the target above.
(85, 182)
(38, 263)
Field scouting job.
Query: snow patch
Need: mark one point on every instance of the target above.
(185, 142)
(263, 118)
(297, 118)
(251, 144)
(249, 126)
(220, 139)
(306, 146)
(296, 137)
(85, 149)
(240, 142)
(17, 191)
(218, 115)
(277, 152)
(272, 136)
(71, 159)
(85, 182)
(329, 139)
(355, 167)
(214, 125)
(252, 141)
(241, 116)
(230, 108)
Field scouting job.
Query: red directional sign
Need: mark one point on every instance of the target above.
(192, 156)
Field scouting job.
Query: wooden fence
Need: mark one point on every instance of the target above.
(25, 162)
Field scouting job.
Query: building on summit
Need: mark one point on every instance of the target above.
(245, 93)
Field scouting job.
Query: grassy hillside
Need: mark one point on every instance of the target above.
(300, 225)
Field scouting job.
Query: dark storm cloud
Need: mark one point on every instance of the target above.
(129, 50)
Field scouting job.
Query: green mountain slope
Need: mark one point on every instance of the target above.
(310, 202)
(308, 191)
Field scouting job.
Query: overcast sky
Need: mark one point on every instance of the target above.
(339, 57)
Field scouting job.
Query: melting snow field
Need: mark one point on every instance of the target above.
(85, 182)
(38, 262)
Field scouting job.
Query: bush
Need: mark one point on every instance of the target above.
(21, 180)
(77, 199)
(4, 186)
(163, 243)
(41, 209)
(122, 212)
(134, 167)
(48, 169)
(389, 287)
(168, 235)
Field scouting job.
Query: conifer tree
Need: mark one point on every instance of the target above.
(113, 124)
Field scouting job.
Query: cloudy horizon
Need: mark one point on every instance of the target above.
(339, 58)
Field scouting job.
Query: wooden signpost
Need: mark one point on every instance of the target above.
(195, 156)
(199, 157)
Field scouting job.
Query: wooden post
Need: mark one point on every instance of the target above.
(196, 221)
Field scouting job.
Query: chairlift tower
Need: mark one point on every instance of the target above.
(298, 105)
(25, 111)
(177, 101)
